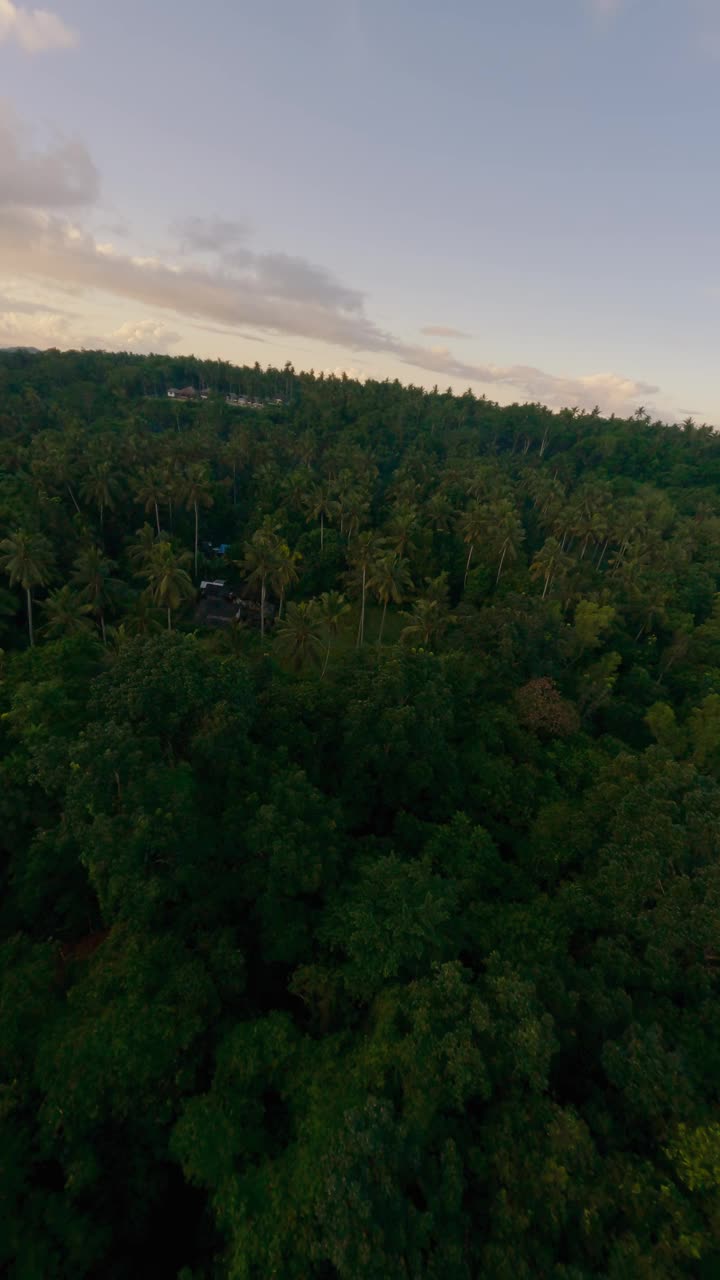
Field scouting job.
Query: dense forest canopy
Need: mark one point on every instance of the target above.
(376, 932)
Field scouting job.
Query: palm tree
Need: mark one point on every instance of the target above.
(473, 526)
(235, 453)
(299, 636)
(334, 608)
(93, 575)
(66, 613)
(149, 493)
(550, 561)
(319, 505)
(140, 552)
(507, 532)
(197, 494)
(100, 487)
(427, 622)
(285, 573)
(260, 561)
(363, 555)
(390, 581)
(402, 525)
(169, 583)
(27, 559)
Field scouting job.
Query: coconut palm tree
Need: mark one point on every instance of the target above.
(334, 607)
(299, 635)
(319, 504)
(391, 582)
(140, 552)
(197, 494)
(507, 532)
(92, 573)
(285, 573)
(28, 561)
(260, 562)
(150, 493)
(66, 614)
(427, 623)
(169, 583)
(235, 453)
(401, 527)
(100, 487)
(363, 555)
(473, 527)
(549, 563)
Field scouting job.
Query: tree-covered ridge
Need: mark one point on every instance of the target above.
(384, 940)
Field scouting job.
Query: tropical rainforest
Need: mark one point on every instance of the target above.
(380, 939)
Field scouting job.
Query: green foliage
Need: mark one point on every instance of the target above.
(384, 942)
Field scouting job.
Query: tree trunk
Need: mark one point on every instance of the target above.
(502, 561)
(548, 578)
(197, 525)
(280, 607)
(157, 519)
(262, 610)
(28, 595)
(102, 515)
(169, 612)
(234, 484)
(467, 566)
(102, 627)
(382, 621)
(602, 553)
(72, 495)
(322, 530)
(361, 623)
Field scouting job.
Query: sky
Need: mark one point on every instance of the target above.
(515, 196)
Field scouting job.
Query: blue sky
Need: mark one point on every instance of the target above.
(513, 195)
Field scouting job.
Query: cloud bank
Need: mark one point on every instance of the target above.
(235, 288)
(34, 30)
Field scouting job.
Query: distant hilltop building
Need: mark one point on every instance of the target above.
(187, 393)
(238, 401)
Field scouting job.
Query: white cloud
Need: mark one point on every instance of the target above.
(35, 30)
(40, 329)
(144, 336)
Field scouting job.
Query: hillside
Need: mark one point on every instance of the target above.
(366, 924)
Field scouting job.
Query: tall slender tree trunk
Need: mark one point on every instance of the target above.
(262, 610)
(361, 624)
(234, 484)
(102, 627)
(467, 566)
(322, 530)
(602, 553)
(502, 561)
(28, 596)
(197, 526)
(72, 495)
(169, 613)
(382, 621)
(157, 518)
(282, 597)
(327, 655)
